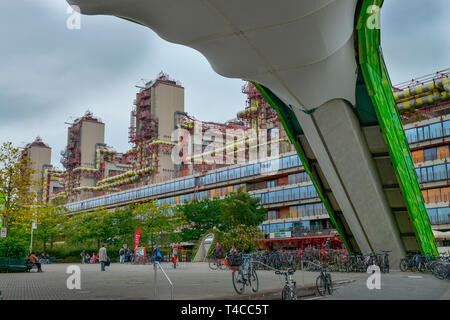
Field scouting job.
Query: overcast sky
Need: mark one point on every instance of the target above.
(50, 74)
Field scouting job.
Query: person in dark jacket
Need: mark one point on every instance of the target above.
(218, 251)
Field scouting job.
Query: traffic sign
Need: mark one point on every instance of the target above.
(3, 233)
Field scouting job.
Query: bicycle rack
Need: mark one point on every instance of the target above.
(167, 277)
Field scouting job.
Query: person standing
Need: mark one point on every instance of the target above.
(83, 256)
(122, 255)
(103, 257)
(175, 255)
(218, 251)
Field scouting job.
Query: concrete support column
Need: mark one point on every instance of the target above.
(336, 139)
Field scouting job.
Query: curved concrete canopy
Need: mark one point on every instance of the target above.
(303, 50)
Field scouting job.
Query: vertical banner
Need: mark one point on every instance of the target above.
(137, 235)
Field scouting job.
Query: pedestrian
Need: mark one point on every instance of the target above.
(103, 257)
(129, 255)
(122, 255)
(175, 255)
(83, 256)
(218, 251)
(156, 256)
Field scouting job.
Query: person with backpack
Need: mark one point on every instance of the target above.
(157, 256)
(122, 255)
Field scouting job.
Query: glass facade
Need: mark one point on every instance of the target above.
(428, 132)
(245, 171)
(433, 173)
(439, 215)
(285, 195)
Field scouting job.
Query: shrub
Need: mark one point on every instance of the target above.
(11, 248)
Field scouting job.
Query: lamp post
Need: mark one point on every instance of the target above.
(33, 226)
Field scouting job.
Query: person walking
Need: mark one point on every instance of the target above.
(122, 255)
(83, 256)
(103, 257)
(156, 256)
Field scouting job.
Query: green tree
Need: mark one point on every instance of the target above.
(50, 222)
(244, 238)
(200, 216)
(16, 186)
(238, 208)
(159, 224)
(125, 224)
(97, 226)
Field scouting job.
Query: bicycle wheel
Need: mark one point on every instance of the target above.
(320, 285)
(254, 281)
(223, 264)
(404, 265)
(212, 264)
(238, 282)
(288, 293)
(329, 284)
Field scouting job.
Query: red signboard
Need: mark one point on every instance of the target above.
(137, 235)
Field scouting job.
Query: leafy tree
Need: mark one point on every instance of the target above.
(201, 216)
(96, 226)
(125, 224)
(16, 186)
(241, 209)
(159, 223)
(243, 237)
(50, 221)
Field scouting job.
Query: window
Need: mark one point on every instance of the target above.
(257, 168)
(446, 127)
(430, 154)
(411, 135)
(435, 130)
(440, 172)
(271, 215)
(271, 184)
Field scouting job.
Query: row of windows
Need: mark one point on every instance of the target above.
(134, 195)
(285, 195)
(436, 195)
(433, 173)
(308, 210)
(251, 170)
(222, 176)
(300, 177)
(432, 131)
(291, 226)
(431, 154)
(207, 194)
(439, 215)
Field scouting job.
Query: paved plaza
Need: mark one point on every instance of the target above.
(197, 282)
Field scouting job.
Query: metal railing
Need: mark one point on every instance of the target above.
(167, 277)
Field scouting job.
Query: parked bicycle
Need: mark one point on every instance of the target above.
(289, 290)
(244, 273)
(324, 284)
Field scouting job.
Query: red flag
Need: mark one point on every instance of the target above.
(137, 235)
